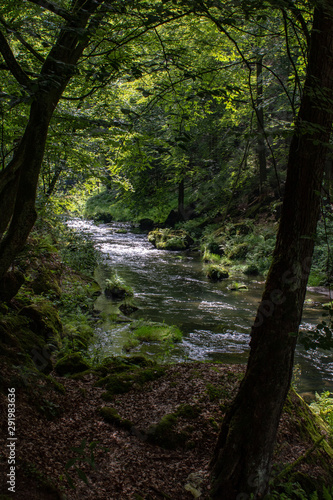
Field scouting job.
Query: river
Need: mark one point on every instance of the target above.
(171, 287)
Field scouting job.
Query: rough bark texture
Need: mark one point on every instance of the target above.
(242, 458)
(18, 182)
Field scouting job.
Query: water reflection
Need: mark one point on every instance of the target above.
(171, 287)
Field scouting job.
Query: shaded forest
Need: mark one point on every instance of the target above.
(206, 126)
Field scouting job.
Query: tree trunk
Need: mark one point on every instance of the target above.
(242, 458)
(19, 181)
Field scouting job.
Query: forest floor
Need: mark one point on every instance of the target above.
(128, 465)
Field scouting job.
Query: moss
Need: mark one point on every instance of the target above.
(163, 433)
(237, 286)
(188, 411)
(46, 283)
(251, 270)
(111, 416)
(71, 363)
(312, 429)
(56, 385)
(168, 239)
(216, 392)
(158, 332)
(123, 382)
(216, 272)
(43, 319)
(116, 289)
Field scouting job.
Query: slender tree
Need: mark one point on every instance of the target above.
(242, 459)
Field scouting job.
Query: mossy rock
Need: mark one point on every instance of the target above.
(188, 411)
(128, 309)
(170, 239)
(164, 434)
(46, 283)
(157, 332)
(43, 319)
(237, 286)
(216, 272)
(124, 382)
(251, 270)
(111, 416)
(119, 364)
(115, 289)
(71, 363)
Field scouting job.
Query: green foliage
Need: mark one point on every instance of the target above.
(78, 251)
(294, 491)
(216, 392)
(85, 453)
(116, 289)
(323, 406)
(322, 336)
(215, 272)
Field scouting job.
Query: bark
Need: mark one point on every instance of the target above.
(242, 458)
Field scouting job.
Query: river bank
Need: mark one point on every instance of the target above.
(76, 413)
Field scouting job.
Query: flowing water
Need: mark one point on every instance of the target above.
(171, 287)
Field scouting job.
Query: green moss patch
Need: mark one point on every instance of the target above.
(170, 239)
(116, 289)
(111, 416)
(165, 434)
(71, 363)
(216, 272)
(156, 332)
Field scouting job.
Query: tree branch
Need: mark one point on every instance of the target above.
(12, 63)
(20, 38)
(53, 7)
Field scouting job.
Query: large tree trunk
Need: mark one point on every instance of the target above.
(243, 454)
(19, 181)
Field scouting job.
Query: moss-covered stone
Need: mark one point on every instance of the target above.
(170, 239)
(188, 411)
(111, 416)
(115, 289)
(71, 363)
(215, 272)
(251, 270)
(43, 319)
(46, 283)
(156, 332)
(123, 382)
(164, 434)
